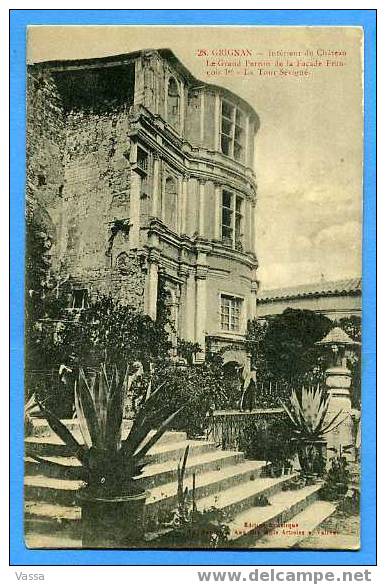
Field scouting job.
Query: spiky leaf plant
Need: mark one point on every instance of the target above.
(182, 512)
(308, 415)
(111, 464)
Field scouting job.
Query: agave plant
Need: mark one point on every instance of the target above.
(111, 464)
(30, 408)
(182, 511)
(308, 416)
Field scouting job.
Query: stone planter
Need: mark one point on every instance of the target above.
(312, 457)
(116, 522)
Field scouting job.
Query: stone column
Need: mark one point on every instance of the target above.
(201, 208)
(201, 298)
(201, 274)
(190, 307)
(253, 227)
(152, 284)
(184, 199)
(252, 303)
(135, 199)
(155, 207)
(247, 225)
(217, 211)
(246, 161)
(338, 382)
(182, 107)
(202, 118)
(187, 305)
(217, 120)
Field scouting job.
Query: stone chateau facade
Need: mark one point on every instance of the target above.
(140, 170)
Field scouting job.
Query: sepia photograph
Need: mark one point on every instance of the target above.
(193, 287)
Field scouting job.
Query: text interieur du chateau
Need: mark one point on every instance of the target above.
(270, 62)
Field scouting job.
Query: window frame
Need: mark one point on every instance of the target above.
(231, 136)
(236, 218)
(85, 299)
(235, 302)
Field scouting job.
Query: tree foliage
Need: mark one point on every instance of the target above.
(353, 327)
(111, 332)
(284, 347)
(200, 387)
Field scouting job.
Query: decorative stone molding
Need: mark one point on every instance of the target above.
(201, 272)
(154, 256)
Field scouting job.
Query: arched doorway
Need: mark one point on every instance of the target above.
(232, 384)
(236, 367)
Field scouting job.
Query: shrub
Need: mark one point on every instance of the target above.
(269, 439)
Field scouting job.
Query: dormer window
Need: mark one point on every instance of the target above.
(173, 97)
(232, 131)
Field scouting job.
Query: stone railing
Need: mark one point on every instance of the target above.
(227, 427)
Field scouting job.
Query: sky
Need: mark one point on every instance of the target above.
(309, 146)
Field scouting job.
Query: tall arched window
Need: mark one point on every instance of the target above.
(173, 110)
(170, 203)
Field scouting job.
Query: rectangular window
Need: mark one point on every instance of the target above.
(232, 219)
(143, 168)
(142, 160)
(232, 131)
(230, 311)
(79, 298)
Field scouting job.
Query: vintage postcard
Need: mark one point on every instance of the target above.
(193, 287)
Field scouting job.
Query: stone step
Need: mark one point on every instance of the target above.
(54, 447)
(242, 496)
(250, 525)
(153, 474)
(163, 498)
(173, 452)
(160, 473)
(49, 489)
(51, 503)
(40, 428)
(46, 518)
(51, 541)
(72, 467)
(300, 527)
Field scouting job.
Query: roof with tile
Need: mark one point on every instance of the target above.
(347, 286)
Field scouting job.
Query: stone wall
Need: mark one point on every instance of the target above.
(97, 186)
(45, 149)
(79, 174)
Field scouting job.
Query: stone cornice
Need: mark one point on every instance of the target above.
(197, 245)
(188, 159)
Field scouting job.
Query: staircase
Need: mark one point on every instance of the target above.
(224, 479)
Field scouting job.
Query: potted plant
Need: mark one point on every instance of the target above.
(113, 499)
(309, 426)
(337, 479)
